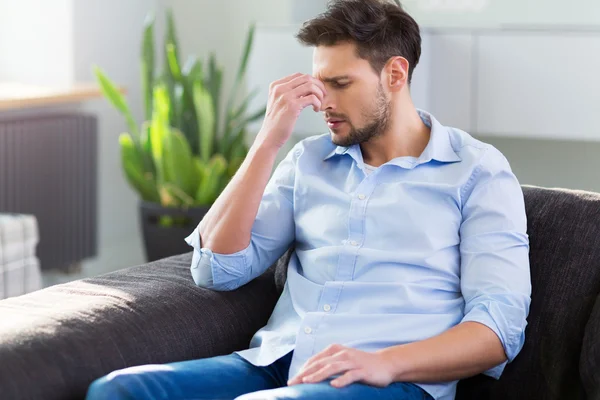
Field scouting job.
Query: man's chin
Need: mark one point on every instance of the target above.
(339, 139)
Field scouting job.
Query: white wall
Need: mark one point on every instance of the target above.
(494, 13)
(303, 10)
(36, 41)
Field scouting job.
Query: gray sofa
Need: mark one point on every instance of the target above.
(55, 341)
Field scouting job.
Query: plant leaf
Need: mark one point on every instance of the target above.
(177, 193)
(214, 83)
(133, 168)
(193, 70)
(205, 115)
(244, 106)
(169, 80)
(234, 165)
(145, 141)
(114, 96)
(254, 117)
(167, 199)
(173, 62)
(185, 111)
(209, 187)
(188, 121)
(240, 75)
(159, 129)
(148, 65)
(178, 162)
(244, 64)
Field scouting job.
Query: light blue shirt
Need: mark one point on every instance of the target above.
(393, 256)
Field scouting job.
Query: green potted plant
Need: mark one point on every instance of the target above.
(187, 150)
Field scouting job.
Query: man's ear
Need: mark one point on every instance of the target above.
(396, 73)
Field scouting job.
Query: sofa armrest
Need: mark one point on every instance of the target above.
(59, 339)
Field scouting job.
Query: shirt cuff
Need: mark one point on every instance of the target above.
(501, 319)
(201, 261)
(218, 271)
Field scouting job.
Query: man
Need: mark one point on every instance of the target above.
(410, 269)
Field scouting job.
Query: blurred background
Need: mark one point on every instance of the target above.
(518, 74)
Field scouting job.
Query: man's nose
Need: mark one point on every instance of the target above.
(328, 103)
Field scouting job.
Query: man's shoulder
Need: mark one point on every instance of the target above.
(479, 154)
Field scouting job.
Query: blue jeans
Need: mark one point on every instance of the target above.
(231, 377)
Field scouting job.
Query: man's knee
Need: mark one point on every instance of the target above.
(284, 393)
(112, 386)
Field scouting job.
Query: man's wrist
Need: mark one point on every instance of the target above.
(395, 361)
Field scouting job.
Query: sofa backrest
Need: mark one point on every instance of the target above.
(564, 233)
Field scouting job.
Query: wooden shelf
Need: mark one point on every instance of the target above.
(17, 96)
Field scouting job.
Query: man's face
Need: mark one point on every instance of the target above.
(356, 105)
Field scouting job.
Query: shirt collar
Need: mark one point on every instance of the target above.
(438, 148)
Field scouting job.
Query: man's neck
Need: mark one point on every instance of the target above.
(407, 135)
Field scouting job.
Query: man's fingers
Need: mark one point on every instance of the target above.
(308, 88)
(311, 100)
(328, 351)
(285, 79)
(328, 371)
(300, 80)
(299, 86)
(348, 378)
(308, 369)
(311, 363)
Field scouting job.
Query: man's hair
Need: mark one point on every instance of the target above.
(379, 29)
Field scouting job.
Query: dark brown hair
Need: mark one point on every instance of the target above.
(379, 29)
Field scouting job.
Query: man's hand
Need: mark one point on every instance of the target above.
(353, 365)
(287, 98)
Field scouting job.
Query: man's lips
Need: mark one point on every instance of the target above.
(334, 122)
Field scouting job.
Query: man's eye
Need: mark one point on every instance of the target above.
(340, 85)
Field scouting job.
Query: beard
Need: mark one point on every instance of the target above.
(377, 119)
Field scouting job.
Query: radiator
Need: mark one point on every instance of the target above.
(48, 168)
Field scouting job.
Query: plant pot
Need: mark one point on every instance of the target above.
(162, 241)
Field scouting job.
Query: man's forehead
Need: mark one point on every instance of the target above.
(332, 63)
(334, 55)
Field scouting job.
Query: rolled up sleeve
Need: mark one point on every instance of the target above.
(273, 232)
(494, 248)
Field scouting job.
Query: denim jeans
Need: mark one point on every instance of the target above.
(231, 377)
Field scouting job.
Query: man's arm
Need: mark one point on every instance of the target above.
(227, 226)
(251, 222)
(462, 351)
(495, 283)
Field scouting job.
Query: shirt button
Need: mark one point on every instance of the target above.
(362, 196)
(307, 330)
(354, 243)
(327, 307)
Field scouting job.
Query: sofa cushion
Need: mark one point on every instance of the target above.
(564, 233)
(589, 364)
(56, 341)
